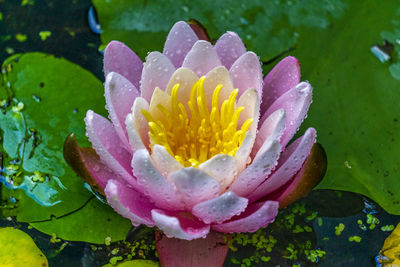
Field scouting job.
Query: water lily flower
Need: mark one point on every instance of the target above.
(197, 140)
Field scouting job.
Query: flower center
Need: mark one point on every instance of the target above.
(196, 138)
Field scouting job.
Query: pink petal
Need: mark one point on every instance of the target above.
(121, 59)
(129, 203)
(289, 164)
(222, 168)
(194, 185)
(106, 142)
(263, 163)
(201, 58)
(229, 47)
(157, 71)
(310, 174)
(295, 102)
(179, 225)
(256, 216)
(179, 41)
(99, 171)
(276, 119)
(174, 252)
(221, 208)
(284, 76)
(119, 94)
(155, 186)
(246, 73)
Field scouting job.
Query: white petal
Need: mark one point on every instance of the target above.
(155, 185)
(221, 208)
(137, 126)
(164, 162)
(195, 185)
(222, 167)
(171, 226)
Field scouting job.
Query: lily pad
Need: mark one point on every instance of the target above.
(18, 249)
(49, 99)
(355, 108)
(268, 27)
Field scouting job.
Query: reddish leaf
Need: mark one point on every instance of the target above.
(306, 179)
(75, 155)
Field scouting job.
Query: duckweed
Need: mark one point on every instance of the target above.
(355, 238)
(339, 229)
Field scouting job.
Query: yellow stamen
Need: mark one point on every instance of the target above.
(192, 136)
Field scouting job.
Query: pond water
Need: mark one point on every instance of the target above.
(327, 228)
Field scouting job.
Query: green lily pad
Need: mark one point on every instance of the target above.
(355, 106)
(18, 249)
(50, 97)
(267, 27)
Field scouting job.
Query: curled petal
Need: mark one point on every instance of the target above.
(289, 164)
(121, 59)
(246, 73)
(194, 185)
(179, 41)
(221, 208)
(295, 102)
(157, 71)
(155, 186)
(256, 216)
(201, 58)
(120, 94)
(284, 76)
(108, 146)
(179, 225)
(229, 48)
(129, 203)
